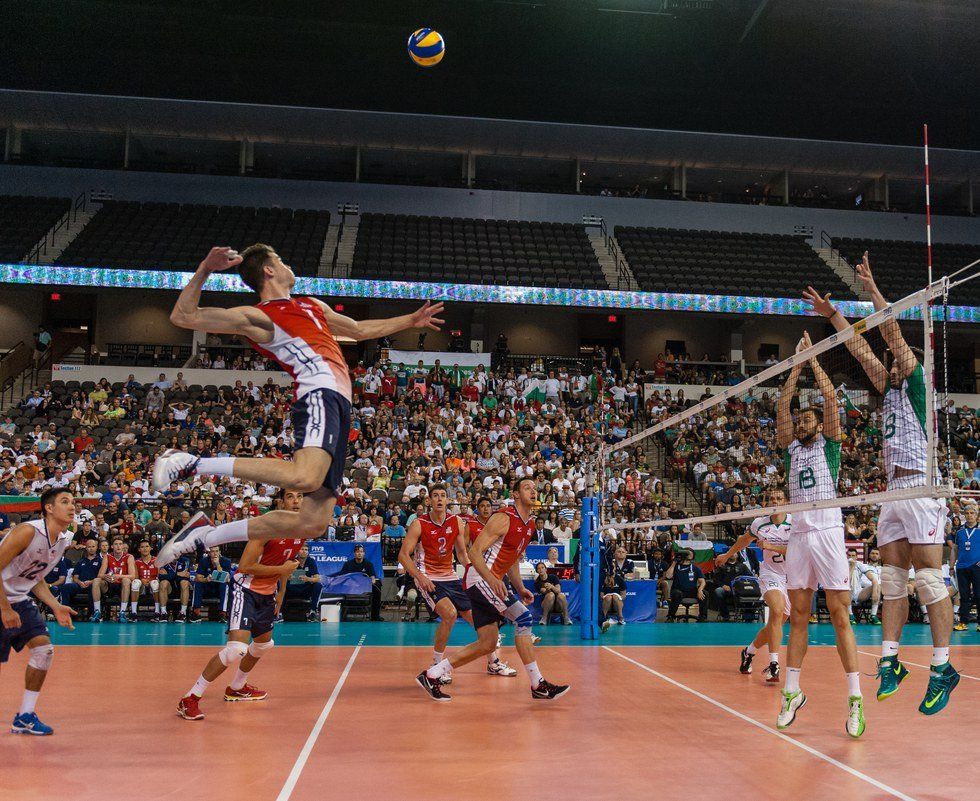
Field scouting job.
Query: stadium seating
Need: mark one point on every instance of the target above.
(465, 250)
(720, 262)
(170, 236)
(24, 220)
(900, 267)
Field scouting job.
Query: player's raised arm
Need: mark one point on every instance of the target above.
(406, 557)
(890, 330)
(831, 415)
(426, 317)
(857, 345)
(784, 419)
(243, 320)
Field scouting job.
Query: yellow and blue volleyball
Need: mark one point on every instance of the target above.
(426, 47)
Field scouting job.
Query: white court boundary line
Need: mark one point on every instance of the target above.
(812, 751)
(916, 664)
(287, 788)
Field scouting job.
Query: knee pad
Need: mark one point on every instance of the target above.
(154, 586)
(41, 657)
(894, 582)
(136, 586)
(257, 649)
(523, 624)
(232, 653)
(930, 586)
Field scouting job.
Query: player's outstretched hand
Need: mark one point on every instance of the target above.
(289, 566)
(819, 303)
(64, 614)
(864, 274)
(499, 588)
(425, 584)
(10, 618)
(220, 258)
(526, 596)
(721, 559)
(428, 316)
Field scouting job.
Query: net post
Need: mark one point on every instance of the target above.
(589, 569)
(929, 379)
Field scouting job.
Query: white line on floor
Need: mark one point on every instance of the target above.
(287, 788)
(813, 751)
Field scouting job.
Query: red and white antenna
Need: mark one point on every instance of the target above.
(925, 148)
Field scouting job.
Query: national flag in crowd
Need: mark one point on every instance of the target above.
(703, 550)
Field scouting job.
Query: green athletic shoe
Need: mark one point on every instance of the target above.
(891, 672)
(853, 620)
(874, 620)
(855, 716)
(942, 681)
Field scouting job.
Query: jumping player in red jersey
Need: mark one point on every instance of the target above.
(256, 594)
(300, 334)
(147, 580)
(427, 556)
(494, 555)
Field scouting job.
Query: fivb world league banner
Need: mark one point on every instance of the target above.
(330, 556)
(639, 606)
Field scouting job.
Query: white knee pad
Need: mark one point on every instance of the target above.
(136, 586)
(894, 582)
(232, 653)
(929, 585)
(257, 649)
(41, 657)
(154, 586)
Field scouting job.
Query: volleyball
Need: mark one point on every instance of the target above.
(426, 47)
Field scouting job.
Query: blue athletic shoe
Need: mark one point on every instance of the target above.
(96, 617)
(891, 673)
(122, 617)
(942, 681)
(29, 724)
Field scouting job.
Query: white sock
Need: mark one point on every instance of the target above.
(889, 648)
(96, 606)
(874, 609)
(925, 612)
(239, 681)
(493, 659)
(533, 674)
(134, 605)
(199, 686)
(774, 656)
(940, 656)
(792, 684)
(956, 608)
(853, 683)
(29, 701)
(235, 531)
(438, 656)
(439, 669)
(216, 466)
(156, 608)
(183, 609)
(751, 649)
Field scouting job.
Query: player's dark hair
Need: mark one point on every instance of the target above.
(816, 411)
(516, 486)
(482, 499)
(50, 494)
(437, 488)
(889, 357)
(252, 268)
(118, 539)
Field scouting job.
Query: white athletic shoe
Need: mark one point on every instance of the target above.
(186, 540)
(499, 668)
(535, 639)
(792, 703)
(855, 716)
(172, 465)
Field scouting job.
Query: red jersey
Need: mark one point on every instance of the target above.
(147, 571)
(274, 554)
(504, 553)
(304, 346)
(475, 527)
(434, 552)
(118, 567)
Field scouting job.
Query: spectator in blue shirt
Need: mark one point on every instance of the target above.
(58, 576)
(85, 572)
(306, 586)
(394, 529)
(966, 553)
(687, 581)
(361, 565)
(176, 574)
(207, 582)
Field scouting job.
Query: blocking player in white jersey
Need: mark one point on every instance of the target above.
(911, 533)
(815, 555)
(27, 553)
(771, 533)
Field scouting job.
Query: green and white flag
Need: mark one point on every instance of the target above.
(534, 391)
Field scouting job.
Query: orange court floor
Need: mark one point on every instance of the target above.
(655, 712)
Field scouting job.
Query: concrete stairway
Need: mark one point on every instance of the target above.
(844, 270)
(325, 267)
(345, 247)
(59, 237)
(615, 268)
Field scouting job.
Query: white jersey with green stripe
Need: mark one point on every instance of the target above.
(904, 439)
(763, 528)
(811, 475)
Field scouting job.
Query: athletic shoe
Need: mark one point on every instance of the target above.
(567, 623)
(771, 673)
(446, 679)
(188, 708)
(222, 617)
(180, 618)
(29, 724)
(432, 688)
(246, 693)
(194, 616)
(278, 618)
(605, 625)
(312, 617)
(792, 703)
(186, 540)
(622, 621)
(891, 673)
(122, 617)
(813, 618)
(535, 639)
(498, 668)
(159, 617)
(874, 620)
(960, 627)
(172, 465)
(853, 620)
(855, 716)
(746, 666)
(95, 618)
(925, 621)
(942, 681)
(546, 691)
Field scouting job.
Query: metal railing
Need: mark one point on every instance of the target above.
(827, 243)
(623, 280)
(68, 219)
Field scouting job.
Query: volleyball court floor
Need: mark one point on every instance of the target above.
(655, 712)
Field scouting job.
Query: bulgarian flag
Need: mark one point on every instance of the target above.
(19, 504)
(534, 391)
(703, 550)
(845, 402)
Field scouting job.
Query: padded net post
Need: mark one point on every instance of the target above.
(589, 569)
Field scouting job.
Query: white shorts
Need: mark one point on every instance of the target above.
(817, 558)
(921, 521)
(769, 581)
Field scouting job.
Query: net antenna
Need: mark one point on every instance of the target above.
(917, 305)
